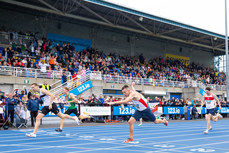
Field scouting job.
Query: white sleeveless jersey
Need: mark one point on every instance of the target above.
(141, 104)
(45, 98)
(210, 101)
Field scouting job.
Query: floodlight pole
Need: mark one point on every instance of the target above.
(226, 50)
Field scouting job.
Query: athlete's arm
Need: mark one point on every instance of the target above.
(216, 99)
(202, 103)
(132, 86)
(72, 96)
(52, 97)
(128, 99)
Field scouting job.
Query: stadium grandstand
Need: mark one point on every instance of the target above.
(91, 49)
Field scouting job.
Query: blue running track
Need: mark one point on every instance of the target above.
(179, 137)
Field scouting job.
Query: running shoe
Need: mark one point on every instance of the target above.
(32, 135)
(58, 130)
(166, 122)
(206, 132)
(210, 128)
(77, 120)
(139, 124)
(219, 116)
(128, 140)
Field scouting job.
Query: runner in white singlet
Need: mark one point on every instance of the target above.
(210, 101)
(48, 98)
(142, 107)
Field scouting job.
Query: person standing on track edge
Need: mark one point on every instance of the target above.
(143, 109)
(210, 101)
(48, 98)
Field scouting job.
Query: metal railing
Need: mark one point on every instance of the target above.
(7, 38)
(31, 72)
(71, 84)
(159, 83)
(36, 73)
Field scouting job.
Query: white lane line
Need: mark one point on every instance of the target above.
(82, 129)
(174, 149)
(155, 128)
(128, 145)
(53, 133)
(118, 135)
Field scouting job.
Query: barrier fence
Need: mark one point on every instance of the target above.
(31, 72)
(159, 82)
(96, 75)
(130, 110)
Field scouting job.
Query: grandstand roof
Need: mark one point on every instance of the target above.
(126, 20)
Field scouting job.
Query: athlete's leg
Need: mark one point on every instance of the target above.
(38, 120)
(152, 117)
(214, 118)
(83, 117)
(164, 121)
(62, 120)
(208, 119)
(131, 126)
(140, 120)
(61, 123)
(63, 116)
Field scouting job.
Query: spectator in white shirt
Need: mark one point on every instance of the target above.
(43, 66)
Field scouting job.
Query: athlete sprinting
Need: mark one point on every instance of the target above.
(143, 109)
(210, 101)
(48, 98)
(70, 98)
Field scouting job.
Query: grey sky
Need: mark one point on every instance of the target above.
(204, 14)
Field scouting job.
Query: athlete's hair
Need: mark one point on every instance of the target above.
(35, 84)
(125, 87)
(208, 88)
(66, 88)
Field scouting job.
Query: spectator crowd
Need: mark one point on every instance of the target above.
(48, 56)
(35, 51)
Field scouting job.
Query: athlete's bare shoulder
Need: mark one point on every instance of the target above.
(135, 95)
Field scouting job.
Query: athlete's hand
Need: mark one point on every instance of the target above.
(50, 107)
(110, 103)
(133, 84)
(201, 108)
(220, 107)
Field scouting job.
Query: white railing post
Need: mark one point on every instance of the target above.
(35, 73)
(16, 74)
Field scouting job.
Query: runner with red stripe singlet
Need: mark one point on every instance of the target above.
(142, 107)
(210, 101)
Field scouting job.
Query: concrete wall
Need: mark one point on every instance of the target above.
(102, 39)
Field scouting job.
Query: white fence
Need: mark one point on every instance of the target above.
(159, 83)
(36, 73)
(30, 72)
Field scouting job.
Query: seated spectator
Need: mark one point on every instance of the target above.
(20, 113)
